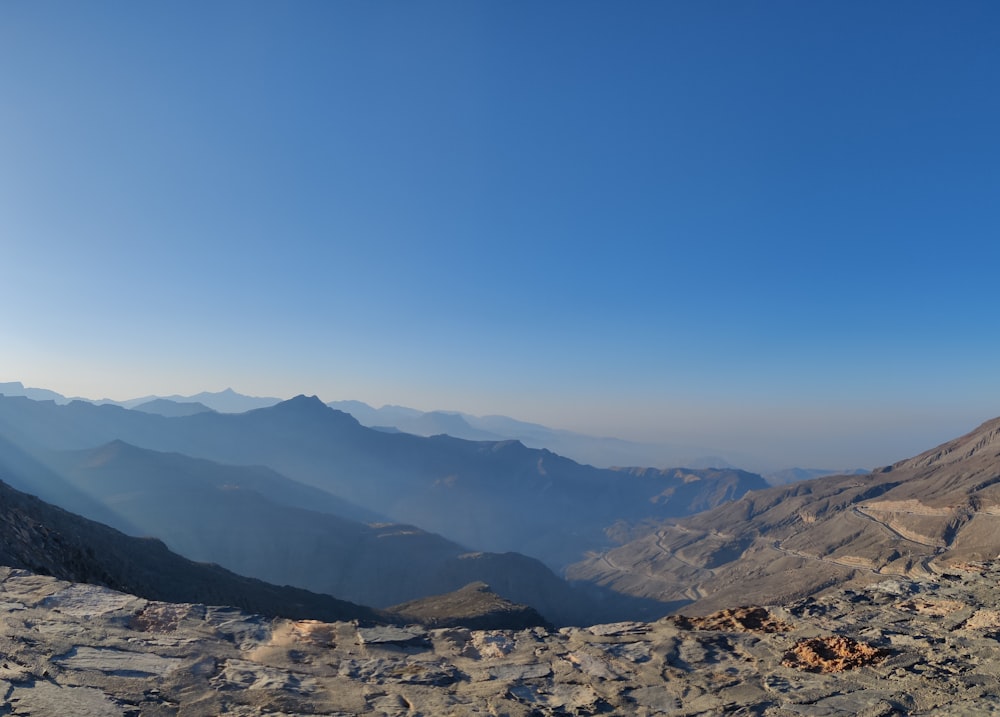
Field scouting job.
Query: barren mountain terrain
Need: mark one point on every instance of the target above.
(909, 519)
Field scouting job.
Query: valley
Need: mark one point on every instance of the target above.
(298, 493)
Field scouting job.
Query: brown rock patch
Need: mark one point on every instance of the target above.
(834, 653)
(741, 619)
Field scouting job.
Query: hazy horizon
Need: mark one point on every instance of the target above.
(768, 229)
(761, 450)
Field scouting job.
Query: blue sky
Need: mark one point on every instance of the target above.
(768, 227)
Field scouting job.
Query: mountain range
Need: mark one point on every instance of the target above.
(878, 588)
(598, 451)
(393, 517)
(299, 493)
(494, 496)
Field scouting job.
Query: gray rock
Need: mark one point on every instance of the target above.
(77, 650)
(387, 634)
(120, 663)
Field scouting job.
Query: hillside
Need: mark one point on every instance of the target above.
(914, 518)
(48, 540)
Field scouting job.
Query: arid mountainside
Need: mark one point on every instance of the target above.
(494, 496)
(926, 513)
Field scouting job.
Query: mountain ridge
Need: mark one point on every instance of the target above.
(504, 496)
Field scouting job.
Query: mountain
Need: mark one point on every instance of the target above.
(794, 475)
(915, 518)
(591, 450)
(473, 607)
(226, 401)
(45, 539)
(167, 407)
(256, 522)
(16, 388)
(495, 496)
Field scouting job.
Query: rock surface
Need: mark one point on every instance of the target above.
(899, 647)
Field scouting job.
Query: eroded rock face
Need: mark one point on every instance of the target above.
(899, 647)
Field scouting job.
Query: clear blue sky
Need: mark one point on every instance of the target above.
(763, 226)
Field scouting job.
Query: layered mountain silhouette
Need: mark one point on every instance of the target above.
(225, 401)
(258, 523)
(917, 517)
(494, 496)
(594, 450)
(795, 475)
(167, 407)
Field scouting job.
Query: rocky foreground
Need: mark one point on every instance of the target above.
(896, 648)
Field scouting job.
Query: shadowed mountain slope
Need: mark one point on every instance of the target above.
(256, 522)
(45, 539)
(913, 518)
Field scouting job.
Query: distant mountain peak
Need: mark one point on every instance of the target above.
(170, 408)
(311, 407)
(304, 400)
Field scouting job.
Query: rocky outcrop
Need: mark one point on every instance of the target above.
(742, 619)
(475, 606)
(894, 648)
